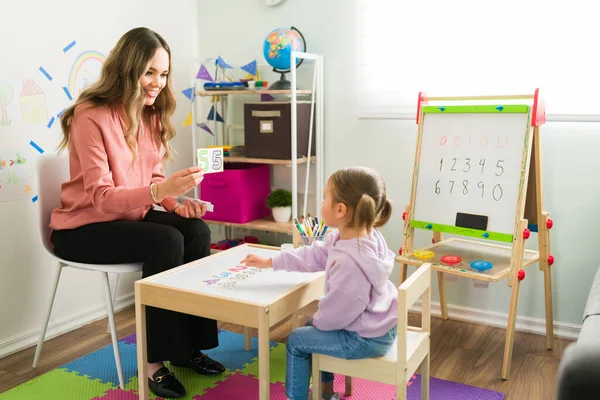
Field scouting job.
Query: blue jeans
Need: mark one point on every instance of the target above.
(305, 341)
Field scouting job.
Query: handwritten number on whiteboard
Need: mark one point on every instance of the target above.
(453, 165)
(451, 186)
(468, 161)
(481, 186)
(441, 163)
(437, 188)
(500, 166)
(497, 192)
(465, 190)
(482, 163)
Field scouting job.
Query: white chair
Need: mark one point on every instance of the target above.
(409, 352)
(52, 172)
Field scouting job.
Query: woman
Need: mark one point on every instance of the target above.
(118, 134)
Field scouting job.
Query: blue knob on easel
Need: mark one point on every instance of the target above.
(428, 226)
(500, 108)
(486, 235)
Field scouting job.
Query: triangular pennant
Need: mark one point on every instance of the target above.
(250, 68)
(206, 128)
(230, 79)
(189, 93)
(266, 97)
(188, 120)
(204, 74)
(258, 76)
(248, 77)
(211, 115)
(221, 63)
(215, 98)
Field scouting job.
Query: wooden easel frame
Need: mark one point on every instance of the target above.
(530, 216)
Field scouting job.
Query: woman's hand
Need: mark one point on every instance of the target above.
(180, 183)
(259, 262)
(190, 209)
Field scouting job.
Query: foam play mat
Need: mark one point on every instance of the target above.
(94, 377)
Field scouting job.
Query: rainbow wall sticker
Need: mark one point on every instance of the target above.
(85, 71)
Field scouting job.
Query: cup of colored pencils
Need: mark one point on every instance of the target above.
(311, 229)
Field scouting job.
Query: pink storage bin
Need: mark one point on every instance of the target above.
(239, 193)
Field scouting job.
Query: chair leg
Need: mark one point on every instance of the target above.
(348, 386)
(38, 350)
(424, 369)
(316, 378)
(114, 298)
(113, 330)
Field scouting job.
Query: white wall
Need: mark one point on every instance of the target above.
(570, 160)
(34, 33)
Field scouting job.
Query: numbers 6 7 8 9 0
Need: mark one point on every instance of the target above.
(464, 187)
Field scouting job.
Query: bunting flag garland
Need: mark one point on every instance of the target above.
(189, 93)
(221, 63)
(204, 74)
(211, 115)
(188, 120)
(206, 128)
(250, 68)
(266, 97)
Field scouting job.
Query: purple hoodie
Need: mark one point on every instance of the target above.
(359, 296)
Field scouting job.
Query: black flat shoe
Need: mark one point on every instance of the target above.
(202, 364)
(164, 384)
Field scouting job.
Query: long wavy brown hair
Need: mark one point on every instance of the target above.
(120, 83)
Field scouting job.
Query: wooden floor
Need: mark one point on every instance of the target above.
(460, 352)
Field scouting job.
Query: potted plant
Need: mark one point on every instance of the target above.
(280, 203)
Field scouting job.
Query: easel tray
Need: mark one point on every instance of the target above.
(470, 250)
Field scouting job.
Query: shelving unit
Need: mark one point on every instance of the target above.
(221, 137)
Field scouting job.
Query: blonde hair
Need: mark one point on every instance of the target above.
(363, 191)
(120, 83)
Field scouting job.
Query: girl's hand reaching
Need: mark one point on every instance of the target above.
(255, 261)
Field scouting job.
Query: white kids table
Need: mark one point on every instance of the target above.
(220, 288)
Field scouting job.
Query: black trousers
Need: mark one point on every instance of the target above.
(162, 241)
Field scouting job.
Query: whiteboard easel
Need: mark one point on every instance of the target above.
(449, 195)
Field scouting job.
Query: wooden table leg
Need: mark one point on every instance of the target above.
(263, 354)
(247, 338)
(142, 355)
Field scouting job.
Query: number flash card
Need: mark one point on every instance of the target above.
(211, 159)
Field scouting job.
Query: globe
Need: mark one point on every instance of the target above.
(277, 49)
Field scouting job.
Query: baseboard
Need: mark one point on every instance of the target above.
(57, 328)
(499, 320)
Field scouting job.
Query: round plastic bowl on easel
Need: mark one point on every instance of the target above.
(451, 261)
(481, 266)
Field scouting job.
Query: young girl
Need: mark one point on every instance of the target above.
(357, 316)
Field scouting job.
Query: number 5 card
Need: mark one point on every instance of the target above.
(211, 159)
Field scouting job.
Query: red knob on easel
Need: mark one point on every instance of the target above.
(521, 275)
(404, 214)
(400, 251)
(433, 240)
(549, 223)
(526, 233)
(550, 259)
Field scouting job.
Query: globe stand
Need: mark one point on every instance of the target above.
(281, 84)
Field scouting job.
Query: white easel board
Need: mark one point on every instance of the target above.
(470, 170)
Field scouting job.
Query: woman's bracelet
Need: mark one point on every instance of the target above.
(175, 207)
(153, 192)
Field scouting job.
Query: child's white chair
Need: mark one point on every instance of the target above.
(52, 172)
(410, 350)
